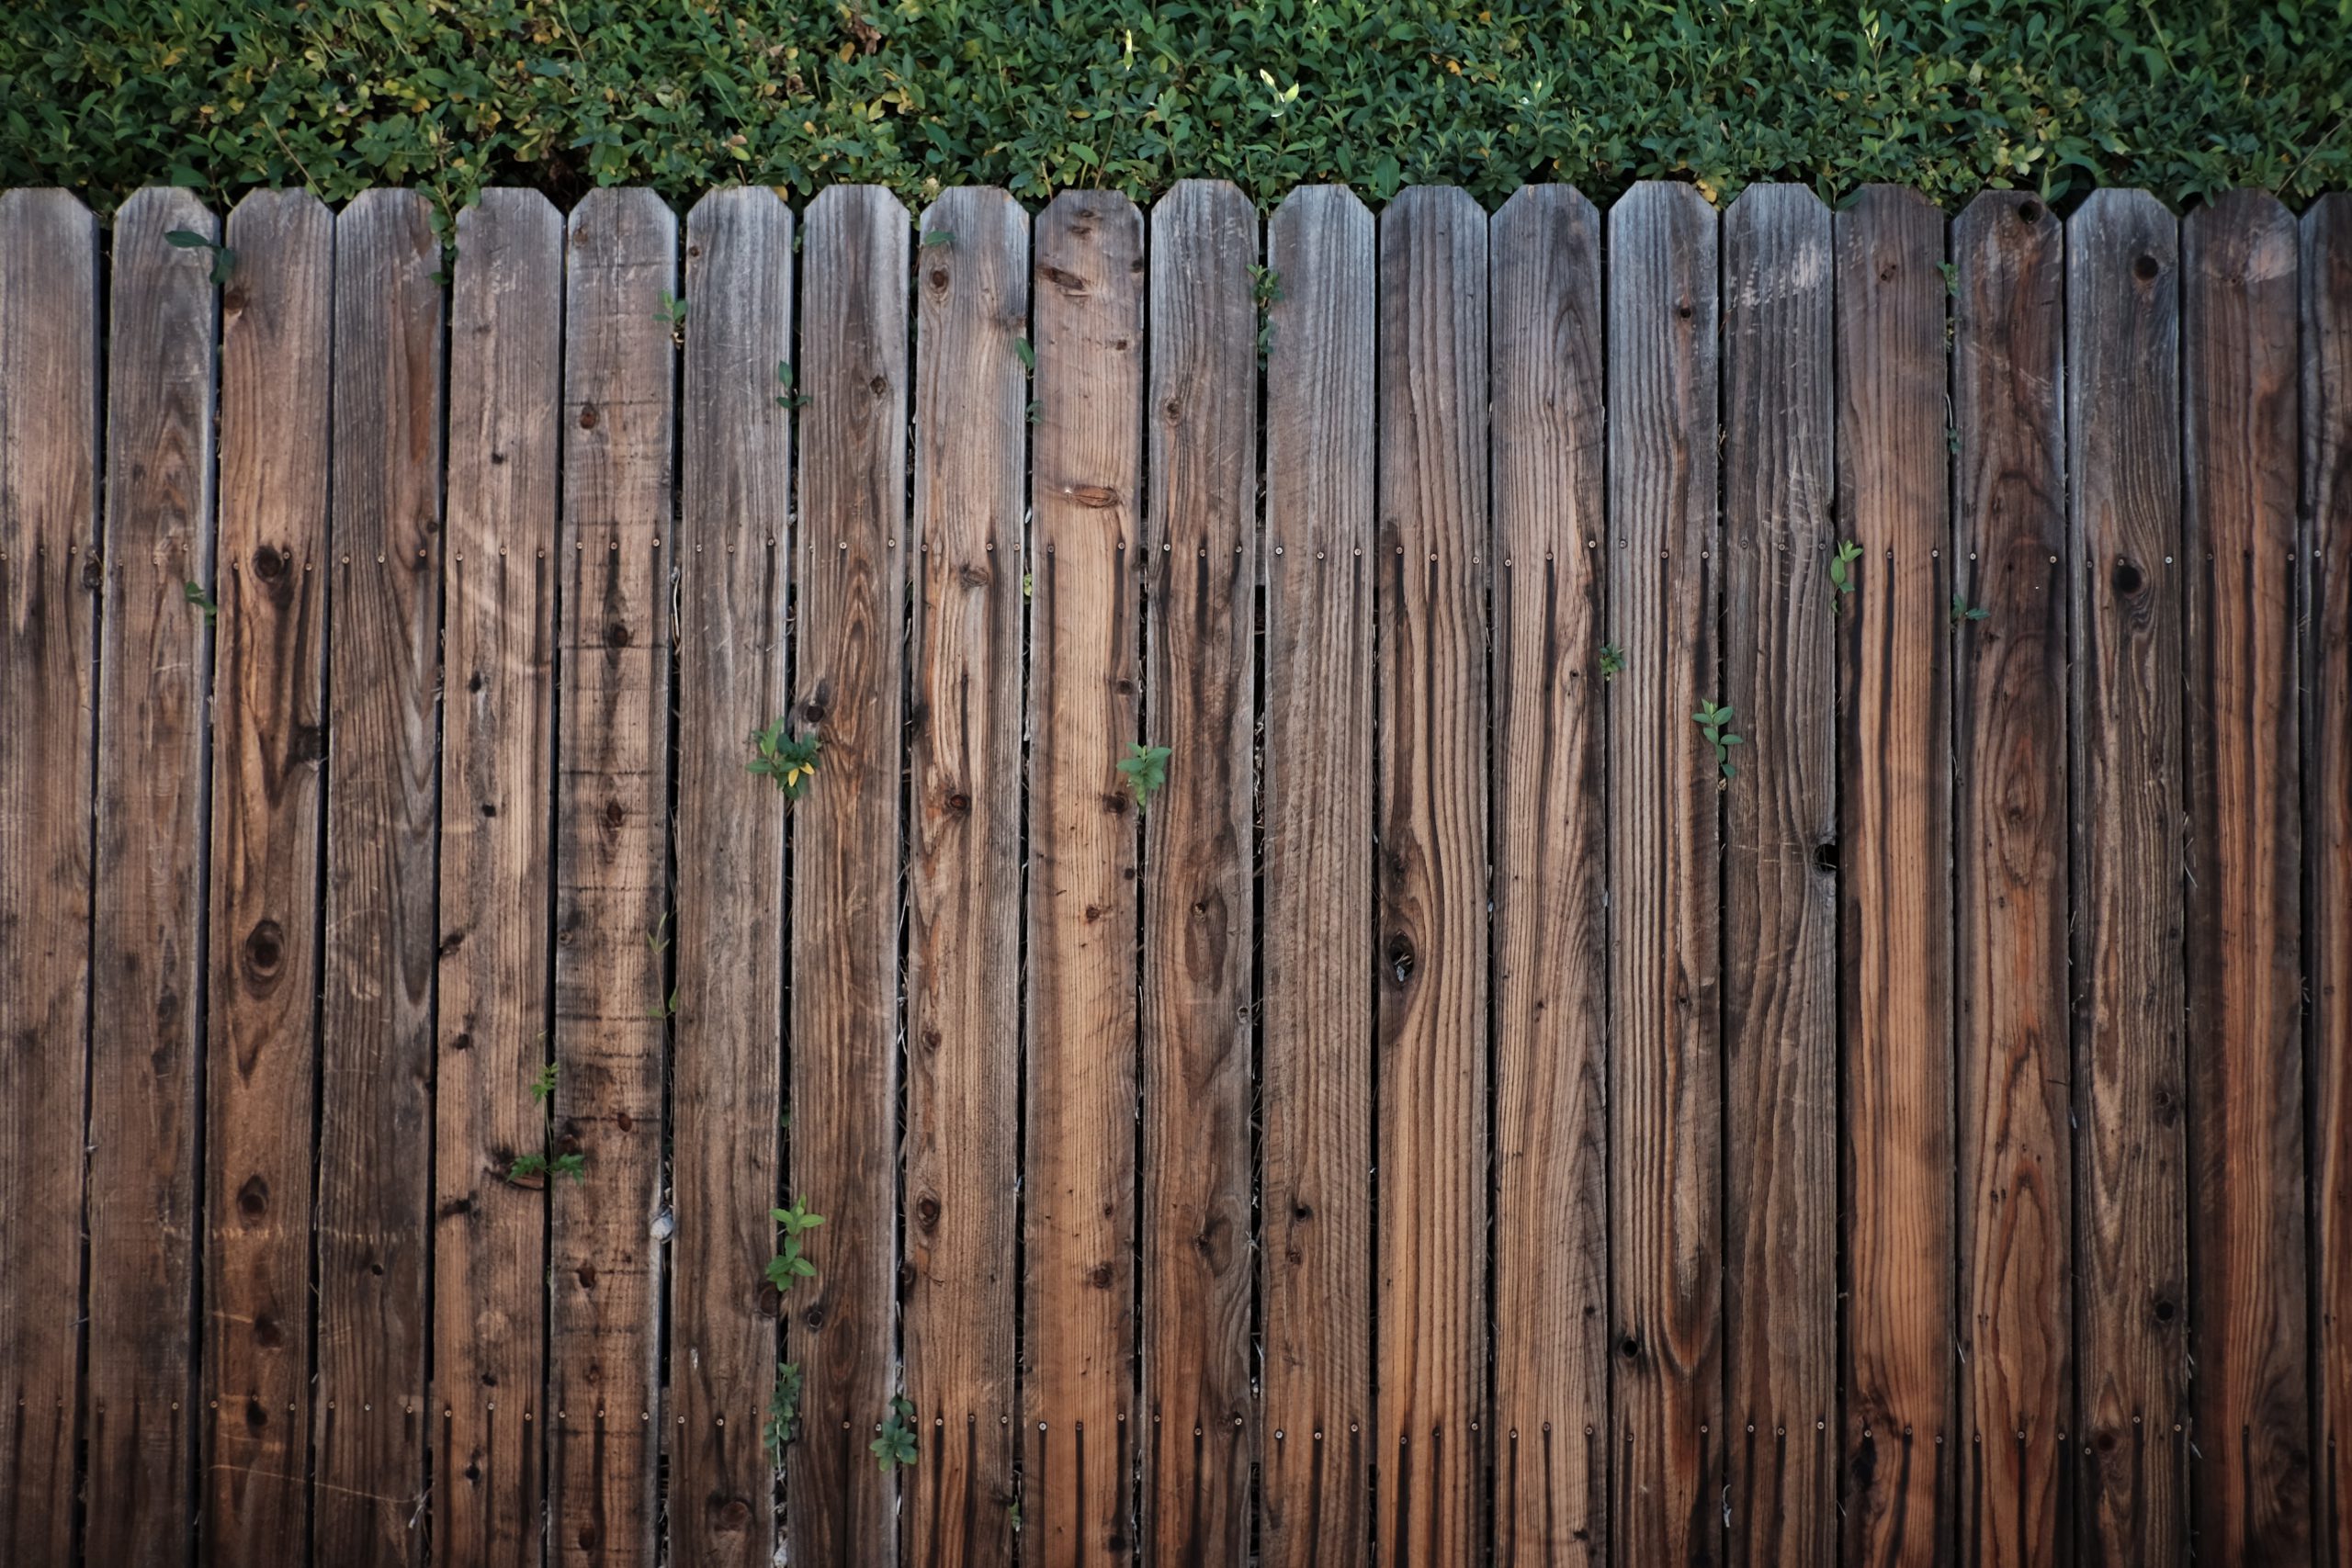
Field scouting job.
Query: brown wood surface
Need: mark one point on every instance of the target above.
(155, 671)
(727, 1094)
(269, 743)
(612, 901)
(2248, 1307)
(849, 670)
(50, 569)
(497, 778)
(1665, 917)
(1548, 772)
(2010, 836)
(1895, 802)
(964, 877)
(1780, 887)
(1085, 613)
(1315, 1077)
(2123, 463)
(1199, 923)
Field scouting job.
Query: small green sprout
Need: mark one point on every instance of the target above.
(1146, 769)
(1961, 610)
(673, 315)
(543, 1084)
(788, 1267)
(791, 760)
(896, 1444)
(224, 260)
(783, 1412)
(193, 591)
(1841, 571)
(938, 237)
(533, 1170)
(1028, 353)
(1613, 661)
(787, 398)
(1714, 720)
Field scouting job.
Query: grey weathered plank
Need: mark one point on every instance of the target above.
(1548, 770)
(2009, 830)
(1316, 801)
(964, 876)
(497, 778)
(1780, 890)
(1665, 915)
(268, 755)
(49, 581)
(2248, 1311)
(2123, 467)
(155, 671)
(849, 668)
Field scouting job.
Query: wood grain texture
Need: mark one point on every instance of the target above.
(1896, 789)
(369, 1418)
(1548, 774)
(1087, 295)
(146, 1021)
(2009, 894)
(1199, 920)
(1780, 888)
(497, 781)
(268, 795)
(50, 567)
(727, 1094)
(1315, 1079)
(2123, 463)
(612, 903)
(964, 878)
(2249, 1308)
(1665, 911)
(848, 677)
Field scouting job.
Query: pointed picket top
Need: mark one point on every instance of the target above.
(1545, 203)
(1977, 222)
(2243, 238)
(880, 204)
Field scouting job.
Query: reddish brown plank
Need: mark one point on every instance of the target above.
(154, 670)
(1548, 772)
(497, 778)
(49, 582)
(1315, 1081)
(727, 1097)
(268, 752)
(2248, 1308)
(1198, 926)
(1078, 1192)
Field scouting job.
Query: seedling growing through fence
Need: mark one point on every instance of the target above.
(784, 1411)
(193, 591)
(1613, 661)
(1961, 610)
(1266, 290)
(224, 260)
(791, 760)
(787, 398)
(1146, 769)
(938, 237)
(1028, 353)
(543, 1085)
(1841, 572)
(672, 314)
(1714, 720)
(1951, 277)
(894, 1445)
(532, 1169)
(788, 1266)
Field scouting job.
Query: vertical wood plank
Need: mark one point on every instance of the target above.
(612, 981)
(1780, 888)
(1078, 1192)
(497, 783)
(849, 674)
(50, 567)
(383, 735)
(2009, 833)
(964, 876)
(1549, 771)
(1665, 1155)
(154, 668)
(727, 1100)
(1316, 795)
(269, 748)
(2123, 467)
(1199, 920)
(1895, 773)
(2249, 1310)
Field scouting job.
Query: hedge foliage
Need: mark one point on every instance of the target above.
(2186, 97)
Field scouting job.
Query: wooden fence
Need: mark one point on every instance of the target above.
(1466, 1111)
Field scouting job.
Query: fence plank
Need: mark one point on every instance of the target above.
(2010, 831)
(1780, 890)
(1199, 928)
(964, 876)
(1665, 1153)
(1548, 774)
(849, 667)
(2249, 1310)
(1315, 1084)
(2124, 454)
(728, 1095)
(154, 666)
(49, 581)
(269, 730)
(1896, 741)
(611, 905)
(497, 779)
(1087, 302)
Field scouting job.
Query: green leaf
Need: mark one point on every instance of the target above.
(1145, 770)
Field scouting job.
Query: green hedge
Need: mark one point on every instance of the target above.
(104, 95)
